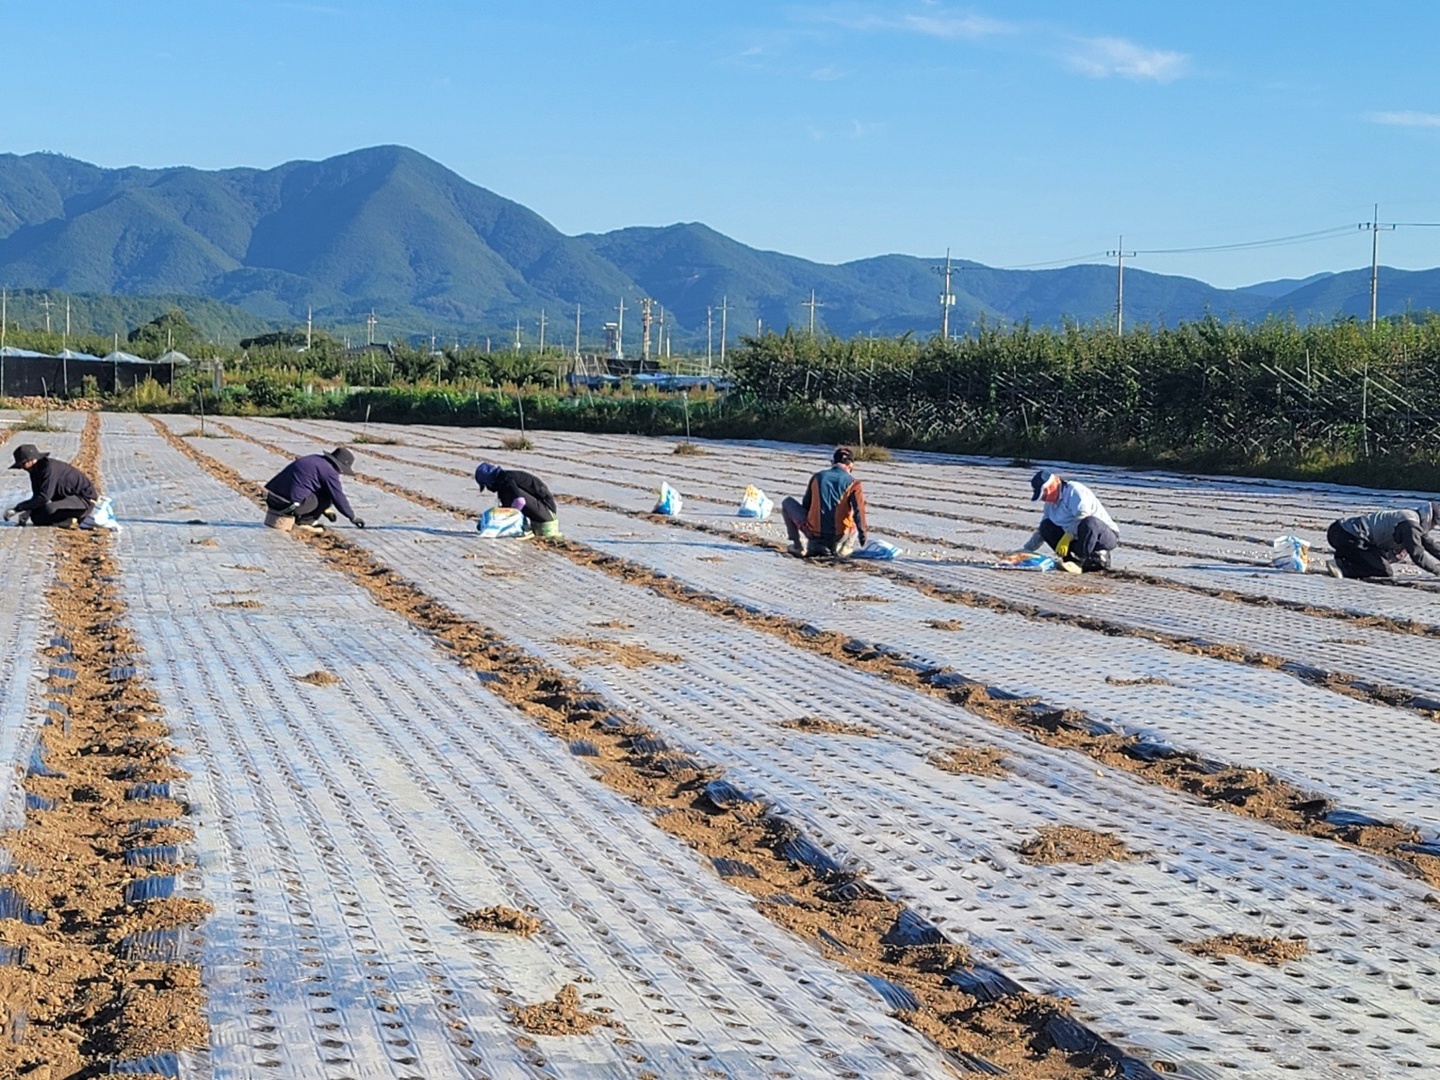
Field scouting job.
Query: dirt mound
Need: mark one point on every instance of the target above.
(318, 678)
(1262, 950)
(500, 920)
(819, 725)
(1071, 844)
(562, 1015)
(971, 760)
(623, 653)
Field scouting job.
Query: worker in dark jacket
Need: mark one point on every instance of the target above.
(60, 494)
(525, 492)
(832, 514)
(1369, 545)
(309, 488)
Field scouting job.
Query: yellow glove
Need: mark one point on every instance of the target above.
(1062, 547)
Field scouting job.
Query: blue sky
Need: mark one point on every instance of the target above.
(1012, 133)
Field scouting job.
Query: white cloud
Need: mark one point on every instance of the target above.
(940, 24)
(1103, 57)
(1405, 119)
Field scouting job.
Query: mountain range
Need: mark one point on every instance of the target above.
(390, 230)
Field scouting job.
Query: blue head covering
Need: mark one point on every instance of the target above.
(486, 474)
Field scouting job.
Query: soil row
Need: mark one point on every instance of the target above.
(98, 916)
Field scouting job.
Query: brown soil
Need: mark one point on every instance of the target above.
(82, 1006)
(1143, 680)
(864, 598)
(1071, 844)
(562, 1015)
(1262, 950)
(1008, 1033)
(624, 653)
(249, 605)
(500, 920)
(711, 558)
(972, 760)
(944, 624)
(318, 678)
(613, 624)
(819, 725)
(1076, 589)
(209, 541)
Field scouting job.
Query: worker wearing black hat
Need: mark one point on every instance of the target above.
(525, 492)
(831, 517)
(1369, 545)
(308, 488)
(1074, 524)
(60, 494)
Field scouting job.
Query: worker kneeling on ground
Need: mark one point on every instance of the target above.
(832, 515)
(1074, 524)
(60, 494)
(308, 489)
(1369, 545)
(525, 492)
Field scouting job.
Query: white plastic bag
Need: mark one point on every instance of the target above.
(877, 549)
(500, 522)
(755, 504)
(1290, 553)
(101, 516)
(669, 502)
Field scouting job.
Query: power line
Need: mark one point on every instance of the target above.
(1247, 245)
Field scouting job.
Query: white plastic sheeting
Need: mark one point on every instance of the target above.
(1371, 758)
(341, 831)
(1106, 935)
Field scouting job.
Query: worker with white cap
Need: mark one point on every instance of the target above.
(1074, 524)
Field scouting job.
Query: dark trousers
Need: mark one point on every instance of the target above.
(306, 513)
(1091, 535)
(1357, 558)
(59, 511)
(793, 511)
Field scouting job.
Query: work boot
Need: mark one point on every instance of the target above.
(1070, 566)
(22, 517)
(796, 548)
(329, 513)
(314, 528)
(1098, 561)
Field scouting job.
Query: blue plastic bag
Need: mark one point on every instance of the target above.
(669, 502)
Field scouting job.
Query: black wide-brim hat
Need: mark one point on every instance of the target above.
(28, 452)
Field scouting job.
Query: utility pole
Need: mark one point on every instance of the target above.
(1120, 255)
(517, 334)
(370, 328)
(645, 318)
(65, 342)
(709, 334)
(45, 303)
(724, 313)
(660, 349)
(620, 333)
(577, 332)
(542, 331)
(812, 304)
(1375, 228)
(309, 328)
(947, 298)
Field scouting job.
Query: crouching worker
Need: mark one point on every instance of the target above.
(60, 494)
(309, 488)
(1369, 545)
(525, 492)
(832, 515)
(1074, 524)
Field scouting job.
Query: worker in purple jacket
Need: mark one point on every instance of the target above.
(309, 488)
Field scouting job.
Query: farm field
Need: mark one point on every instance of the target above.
(658, 801)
